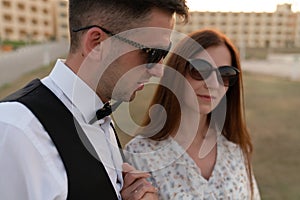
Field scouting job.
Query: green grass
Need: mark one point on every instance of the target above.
(273, 113)
(272, 110)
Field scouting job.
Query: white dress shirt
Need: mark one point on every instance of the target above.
(30, 166)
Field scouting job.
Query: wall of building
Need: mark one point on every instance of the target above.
(60, 15)
(251, 29)
(41, 20)
(33, 20)
(26, 20)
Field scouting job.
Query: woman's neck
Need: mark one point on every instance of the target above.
(193, 128)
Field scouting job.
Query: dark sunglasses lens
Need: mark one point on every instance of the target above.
(229, 75)
(200, 69)
(197, 75)
(154, 56)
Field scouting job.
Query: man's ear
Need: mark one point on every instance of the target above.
(92, 39)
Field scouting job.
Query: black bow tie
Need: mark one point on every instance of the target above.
(106, 110)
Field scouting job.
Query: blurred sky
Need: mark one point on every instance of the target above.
(240, 5)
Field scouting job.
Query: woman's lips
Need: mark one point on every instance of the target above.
(207, 98)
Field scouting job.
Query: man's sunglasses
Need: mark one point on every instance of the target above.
(200, 69)
(154, 54)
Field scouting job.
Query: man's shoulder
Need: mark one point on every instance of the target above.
(15, 114)
(28, 88)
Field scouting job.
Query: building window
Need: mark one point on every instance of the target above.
(45, 11)
(6, 3)
(47, 35)
(22, 19)
(8, 31)
(34, 21)
(7, 17)
(35, 33)
(33, 9)
(21, 6)
(278, 42)
(200, 23)
(63, 15)
(200, 14)
(64, 26)
(63, 4)
(23, 33)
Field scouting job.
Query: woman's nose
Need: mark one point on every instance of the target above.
(212, 80)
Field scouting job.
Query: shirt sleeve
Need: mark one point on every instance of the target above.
(27, 168)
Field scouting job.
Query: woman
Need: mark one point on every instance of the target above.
(198, 146)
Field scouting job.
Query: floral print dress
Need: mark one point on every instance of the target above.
(177, 176)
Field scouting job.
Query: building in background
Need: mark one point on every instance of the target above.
(279, 29)
(33, 20)
(42, 20)
(61, 18)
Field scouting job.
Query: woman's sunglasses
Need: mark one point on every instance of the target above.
(200, 69)
(154, 54)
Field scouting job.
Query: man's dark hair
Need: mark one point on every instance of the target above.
(117, 15)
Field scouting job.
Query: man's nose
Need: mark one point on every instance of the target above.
(157, 69)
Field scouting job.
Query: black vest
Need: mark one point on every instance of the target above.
(87, 178)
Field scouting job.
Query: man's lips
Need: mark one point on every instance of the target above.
(140, 87)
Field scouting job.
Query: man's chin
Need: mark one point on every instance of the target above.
(128, 98)
(132, 97)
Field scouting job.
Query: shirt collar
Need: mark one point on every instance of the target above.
(77, 91)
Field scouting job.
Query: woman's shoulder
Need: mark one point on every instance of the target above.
(229, 148)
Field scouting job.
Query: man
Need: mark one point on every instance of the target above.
(51, 145)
